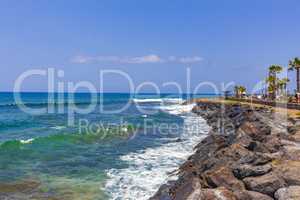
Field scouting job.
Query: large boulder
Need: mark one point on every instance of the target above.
(245, 141)
(186, 187)
(255, 129)
(238, 154)
(204, 157)
(289, 170)
(292, 129)
(216, 194)
(296, 136)
(292, 152)
(272, 143)
(163, 193)
(223, 177)
(289, 193)
(250, 195)
(266, 184)
(246, 170)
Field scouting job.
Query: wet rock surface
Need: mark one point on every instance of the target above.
(249, 154)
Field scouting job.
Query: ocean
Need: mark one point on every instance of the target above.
(104, 154)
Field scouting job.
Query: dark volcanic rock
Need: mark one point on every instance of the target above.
(291, 152)
(266, 184)
(290, 171)
(242, 171)
(216, 194)
(223, 177)
(164, 192)
(289, 193)
(272, 143)
(256, 130)
(188, 186)
(250, 195)
(296, 136)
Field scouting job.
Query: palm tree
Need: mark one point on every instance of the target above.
(282, 85)
(242, 90)
(239, 91)
(295, 65)
(272, 80)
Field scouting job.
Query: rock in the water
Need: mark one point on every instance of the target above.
(266, 184)
(189, 187)
(163, 193)
(24, 186)
(224, 177)
(246, 170)
(289, 193)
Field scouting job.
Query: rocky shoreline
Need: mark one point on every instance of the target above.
(251, 153)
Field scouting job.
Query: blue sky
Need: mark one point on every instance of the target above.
(219, 40)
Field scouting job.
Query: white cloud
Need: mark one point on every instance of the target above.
(91, 59)
(152, 58)
(107, 59)
(81, 59)
(193, 59)
(144, 59)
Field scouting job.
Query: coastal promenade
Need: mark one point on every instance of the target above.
(290, 109)
(267, 103)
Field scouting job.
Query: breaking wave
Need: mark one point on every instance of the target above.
(150, 168)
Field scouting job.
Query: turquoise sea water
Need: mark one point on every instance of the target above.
(42, 156)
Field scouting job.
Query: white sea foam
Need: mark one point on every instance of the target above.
(124, 129)
(58, 127)
(173, 100)
(147, 100)
(159, 100)
(27, 141)
(177, 109)
(173, 106)
(150, 168)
